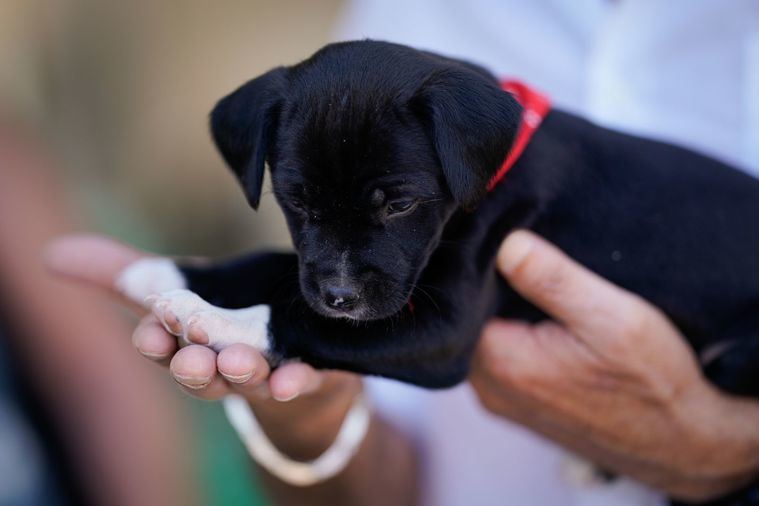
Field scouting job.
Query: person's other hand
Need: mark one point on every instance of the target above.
(611, 379)
(301, 408)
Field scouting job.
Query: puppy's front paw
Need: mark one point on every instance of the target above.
(149, 276)
(184, 314)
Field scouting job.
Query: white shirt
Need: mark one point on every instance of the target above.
(685, 71)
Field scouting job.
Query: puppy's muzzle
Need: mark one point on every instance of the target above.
(339, 295)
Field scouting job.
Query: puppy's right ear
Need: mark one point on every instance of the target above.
(242, 126)
(472, 124)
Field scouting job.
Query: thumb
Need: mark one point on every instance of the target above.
(564, 289)
(90, 259)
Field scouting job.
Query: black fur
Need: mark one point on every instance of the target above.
(361, 129)
(242, 125)
(449, 104)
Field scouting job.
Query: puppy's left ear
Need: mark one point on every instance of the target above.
(242, 126)
(472, 124)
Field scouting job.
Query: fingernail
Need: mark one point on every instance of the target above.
(285, 399)
(150, 300)
(152, 355)
(238, 379)
(514, 250)
(192, 383)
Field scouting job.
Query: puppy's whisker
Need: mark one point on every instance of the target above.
(432, 288)
(419, 289)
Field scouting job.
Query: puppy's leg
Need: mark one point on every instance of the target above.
(238, 283)
(149, 276)
(215, 304)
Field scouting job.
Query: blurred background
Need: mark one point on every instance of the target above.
(105, 105)
(120, 92)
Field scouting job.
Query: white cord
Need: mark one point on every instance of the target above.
(324, 467)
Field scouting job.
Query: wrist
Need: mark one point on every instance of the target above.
(330, 463)
(736, 432)
(722, 446)
(305, 427)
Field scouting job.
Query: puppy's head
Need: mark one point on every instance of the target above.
(372, 146)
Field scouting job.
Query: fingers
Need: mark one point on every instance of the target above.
(504, 349)
(502, 344)
(241, 368)
(91, 259)
(569, 292)
(194, 369)
(152, 341)
(294, 379)
(245, 370)
(521, 354)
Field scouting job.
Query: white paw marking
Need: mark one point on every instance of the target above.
(149, 276)
(198, 320)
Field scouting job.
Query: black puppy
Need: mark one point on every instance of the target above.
(380, 157)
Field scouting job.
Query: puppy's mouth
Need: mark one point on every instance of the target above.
(364, 312)
(357, 314)
(373, 296)
(359, 309)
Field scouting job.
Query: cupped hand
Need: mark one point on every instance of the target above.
(611, 379)
(306, 423)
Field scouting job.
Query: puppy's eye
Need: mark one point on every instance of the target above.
(400, 207)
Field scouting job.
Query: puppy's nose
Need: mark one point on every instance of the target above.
(340, 296)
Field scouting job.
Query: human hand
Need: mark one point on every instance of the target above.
(300, 408)
(611, 379)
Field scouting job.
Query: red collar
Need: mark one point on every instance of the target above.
(536, 106)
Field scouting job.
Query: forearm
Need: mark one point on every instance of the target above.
(383, 471)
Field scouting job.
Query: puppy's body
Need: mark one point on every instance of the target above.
(668, 224)
(380, 157)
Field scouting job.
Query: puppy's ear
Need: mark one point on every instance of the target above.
(472, 124)
(242, 125)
